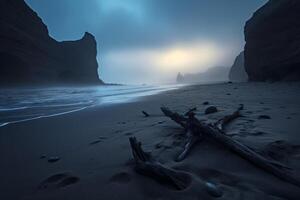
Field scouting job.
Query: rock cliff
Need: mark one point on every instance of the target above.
(237, 72)
(272, 50)
(28, 55)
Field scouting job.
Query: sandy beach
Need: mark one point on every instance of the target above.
(86, 154)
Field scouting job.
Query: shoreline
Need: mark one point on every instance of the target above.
(93, 151)
(107, 98)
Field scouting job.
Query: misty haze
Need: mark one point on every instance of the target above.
(149, 99)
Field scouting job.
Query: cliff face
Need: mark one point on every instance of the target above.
(272, 50)
(237, 71)
(28, 55)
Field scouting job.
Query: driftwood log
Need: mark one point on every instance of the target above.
(146, 165)
(221, 123)
(197, 129)
(145, 114)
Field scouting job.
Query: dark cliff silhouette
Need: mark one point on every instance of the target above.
(272, 50)
(237, 72)
(28, 55)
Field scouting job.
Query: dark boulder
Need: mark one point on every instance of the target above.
(211, 109)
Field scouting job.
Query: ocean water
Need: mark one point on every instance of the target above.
(19, 105)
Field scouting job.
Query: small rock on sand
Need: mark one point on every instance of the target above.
(53, 159)
(264, 117)
(213, 190)
(95, 142)
(211, 109)
(205, 103)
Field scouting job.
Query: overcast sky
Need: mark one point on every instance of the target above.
(146, 41)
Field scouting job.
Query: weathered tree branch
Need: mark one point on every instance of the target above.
(179, 119)
(191, 141)
(192, 110)
(145, 113)
(212, 131)
(229, 118)
(193, 135)
(146, 165)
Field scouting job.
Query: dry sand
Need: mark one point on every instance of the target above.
(92, 157)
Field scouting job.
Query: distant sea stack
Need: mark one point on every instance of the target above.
(180, 78)
(213, 74)
(272, 50)
(29, 56)
(237, 72)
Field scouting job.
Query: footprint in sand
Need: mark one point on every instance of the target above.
(128, 134)
(57, 181)
(100, 139)
(121, 178)
(95, 142)
(281, 150)
(296, 151)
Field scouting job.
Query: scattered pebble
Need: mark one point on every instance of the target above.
(258, 133)
(53, 159)
(95, 142)
(210, 110)
(264, 117)
(128, 134)
(213, 190)
(205, 103)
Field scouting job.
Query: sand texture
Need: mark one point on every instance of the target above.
(87, 155)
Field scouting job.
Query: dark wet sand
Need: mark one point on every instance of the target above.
(86, 155)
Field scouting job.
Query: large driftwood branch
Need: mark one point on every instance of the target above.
(145, 114)
(229, 118)
(212, 131)
(179, 119)
(191, 141)
(193, 135)
(146, 165)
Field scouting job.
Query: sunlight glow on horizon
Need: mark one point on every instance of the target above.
(187, 59)
(159, 65)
